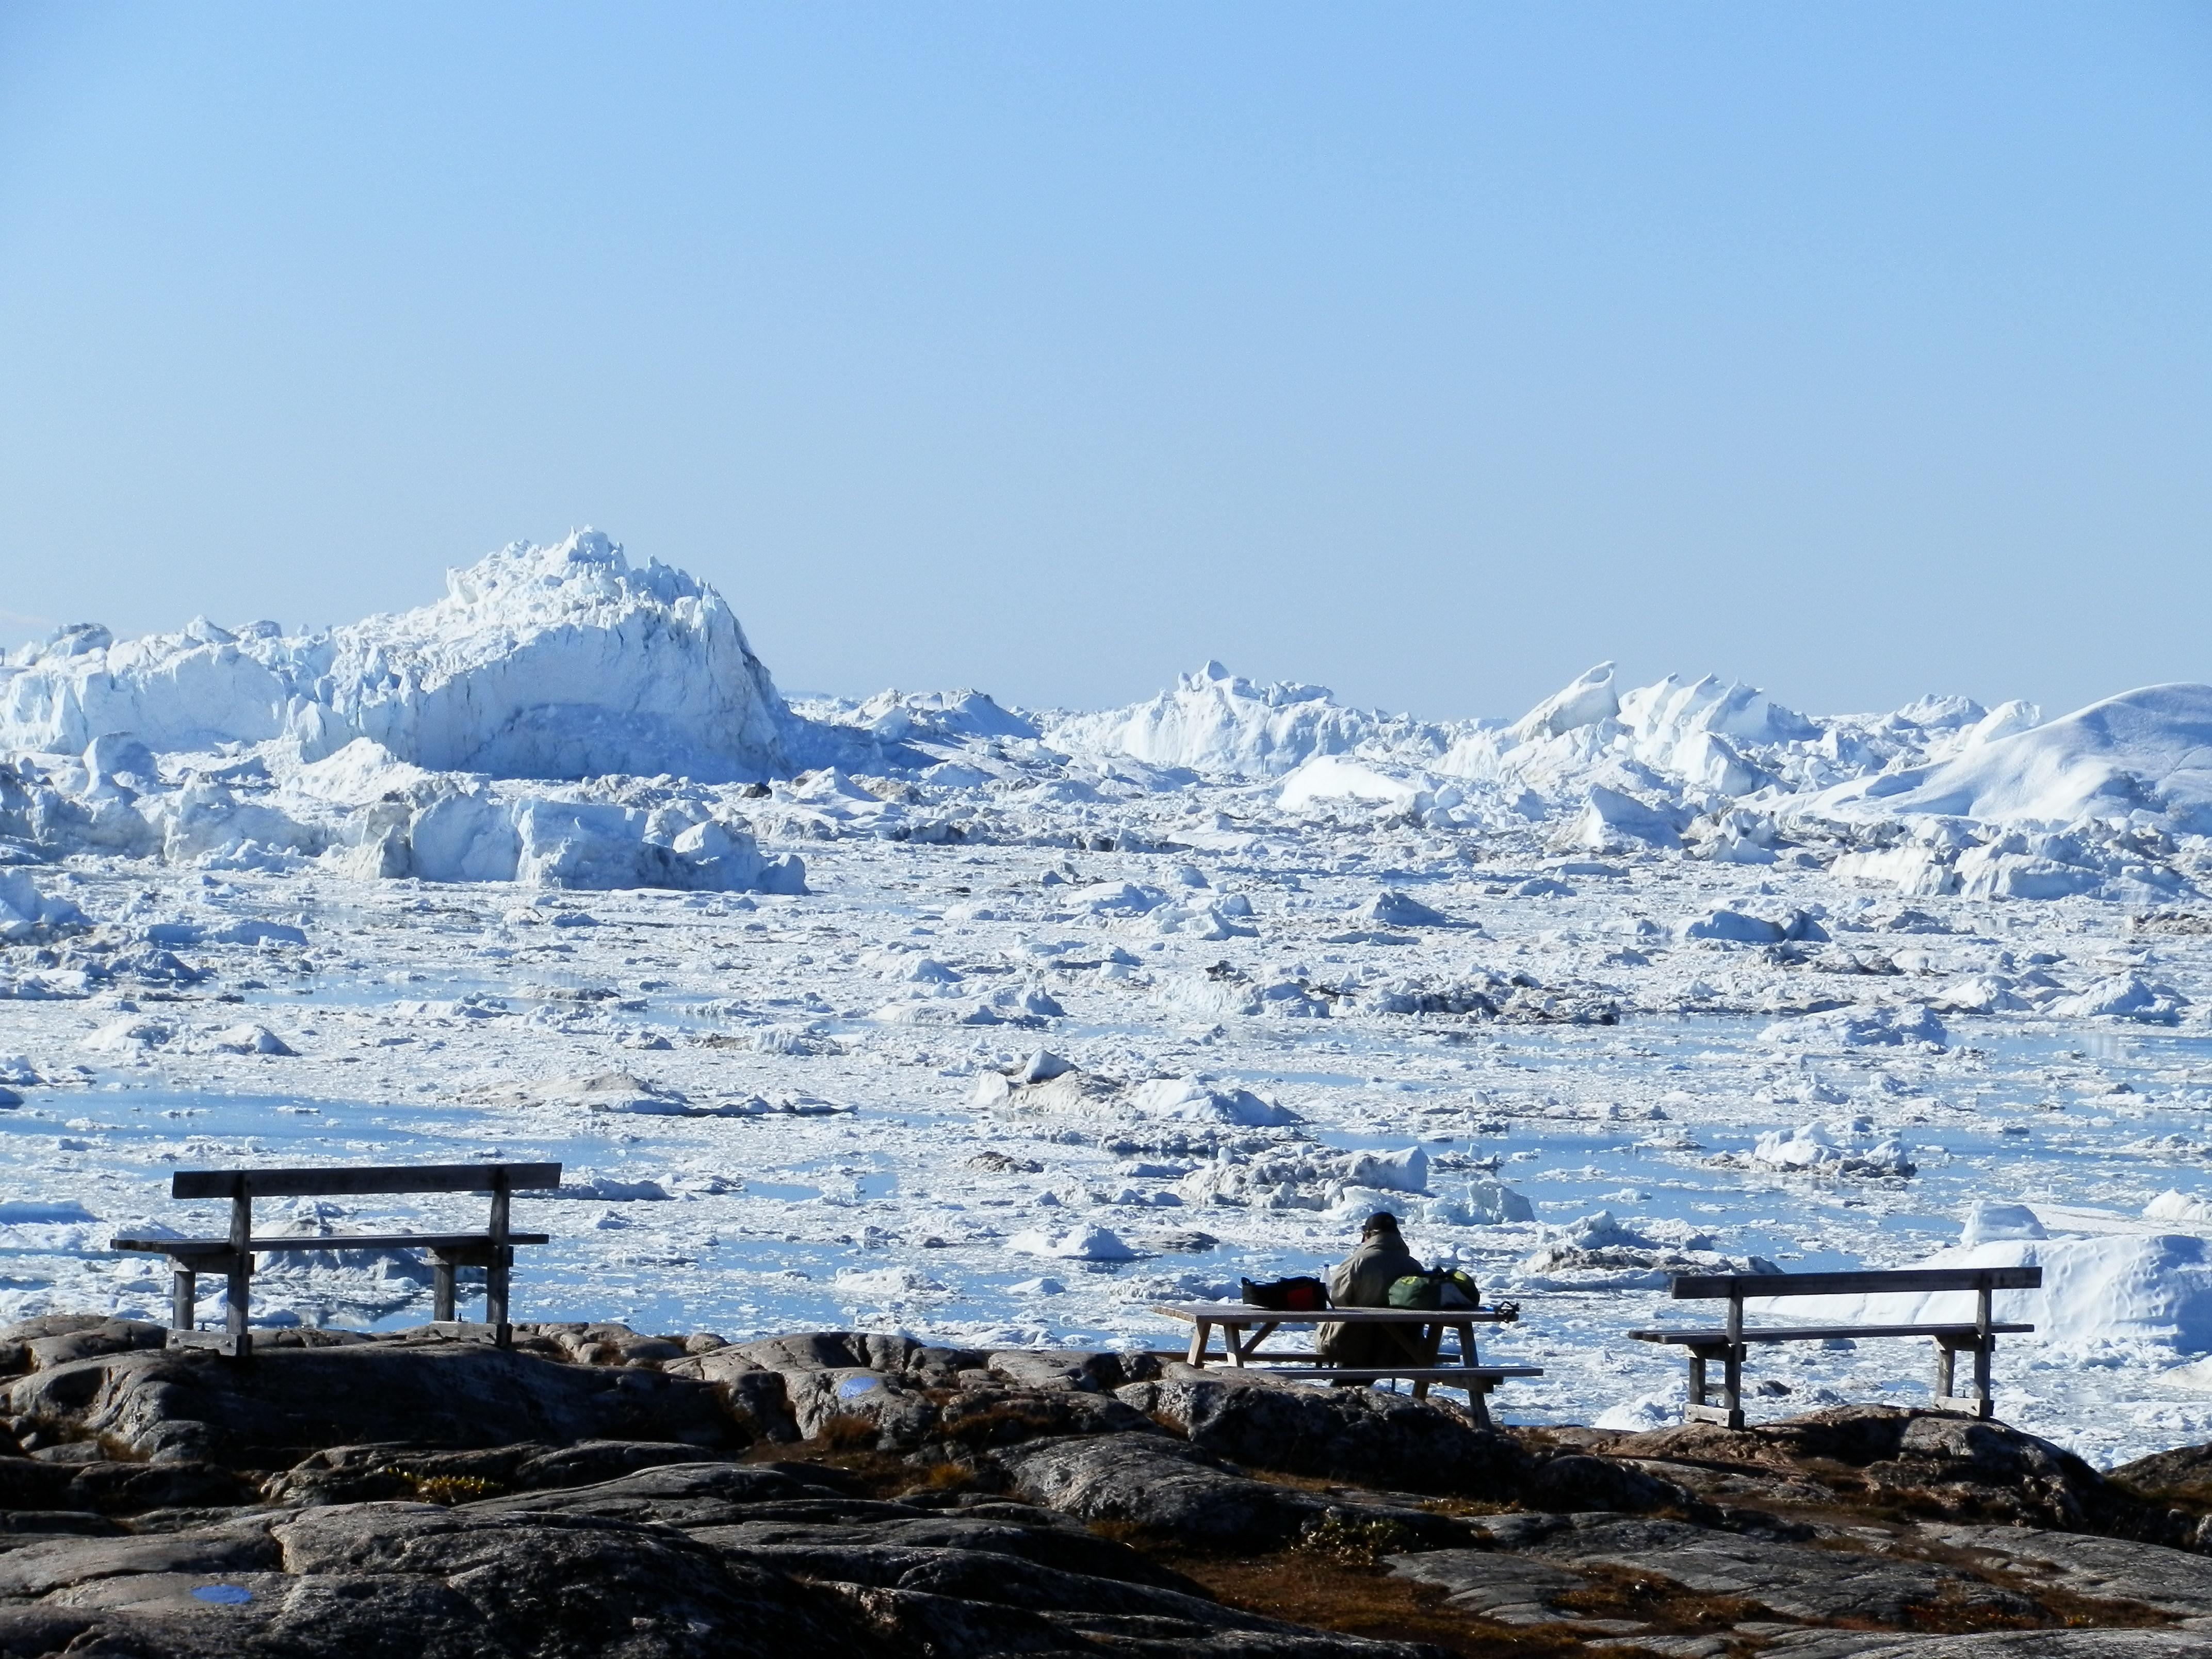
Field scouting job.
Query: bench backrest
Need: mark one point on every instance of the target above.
(391, 1178)
(1704, 1287)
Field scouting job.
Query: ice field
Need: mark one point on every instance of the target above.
(1001, 1026)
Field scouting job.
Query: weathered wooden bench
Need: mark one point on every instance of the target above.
(492, 1249)
(1729, 1343)
(1419, 1331)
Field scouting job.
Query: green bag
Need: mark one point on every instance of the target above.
(1415, 1290)
(1435, 1290)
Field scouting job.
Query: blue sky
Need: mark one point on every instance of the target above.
(1429, 352)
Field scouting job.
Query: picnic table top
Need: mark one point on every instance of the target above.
(1243, 1313)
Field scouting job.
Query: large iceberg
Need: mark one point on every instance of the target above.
(1218, 723)
(540, 662)
(2149, 748)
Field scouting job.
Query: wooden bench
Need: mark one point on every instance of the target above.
(1729, 1344)
(1419, 1331)
(492, 1249)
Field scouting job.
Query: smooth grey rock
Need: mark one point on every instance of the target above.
(2105, 1569)
(1577, 1483)
(1159, 1485)
(1064, 1368)
(410, 1581)
(39, 1569)
(674, 1494)
(895, 1412)
(1934, 1462)
(1794, 1580)
(90, 1342)
(1498, 1585)
(1361, 1435)
(816, 1351)
(291, 1402)
(1992, 1644)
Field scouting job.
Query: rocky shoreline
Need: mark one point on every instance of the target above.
(598, 1491)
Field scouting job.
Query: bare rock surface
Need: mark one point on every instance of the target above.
(1778, 1577)
(289, 1402)
(1350, 1434)
(2109, 1569)
(1993, 1644)
(1926, 1462)
(598, 1491)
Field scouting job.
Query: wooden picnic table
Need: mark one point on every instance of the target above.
(1419, 1331)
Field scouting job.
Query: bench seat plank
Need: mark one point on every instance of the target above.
(1759, 1288)
(1821, 1334)
(195, 1247)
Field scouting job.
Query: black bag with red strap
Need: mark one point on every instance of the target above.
(1301, 1295)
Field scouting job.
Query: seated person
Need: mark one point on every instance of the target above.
(1363, 1279)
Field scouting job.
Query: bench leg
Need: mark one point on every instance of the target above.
(1729, 1412)
(241, 1288)
(495, 1291)
(442, 1290)
(183, 1299)
(1981, 1403)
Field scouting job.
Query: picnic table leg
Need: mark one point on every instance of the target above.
(1431, 1339)
(1474, 1388)
(1201, 1330)
(183, 1299)
(1946, 1360)
(1477, 1402)
(1697, 1378)
(1254, 1335)
(241, 1271)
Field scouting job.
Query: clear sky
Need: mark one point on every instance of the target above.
(1431, 352)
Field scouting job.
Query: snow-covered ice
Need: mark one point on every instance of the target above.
(882, 1010)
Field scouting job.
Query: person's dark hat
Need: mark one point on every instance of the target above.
(1381, 1222)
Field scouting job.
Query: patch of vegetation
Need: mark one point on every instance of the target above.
(1650, 1599)
(847, 1431)
(451, 1489)
(1337, 1537)
(1323, 1594)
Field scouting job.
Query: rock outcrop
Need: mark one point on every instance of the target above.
(600, 1491)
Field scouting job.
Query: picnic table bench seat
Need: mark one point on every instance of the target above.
(1729, 1342)
(233, 1255)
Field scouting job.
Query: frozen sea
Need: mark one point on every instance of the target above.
(768, 1113)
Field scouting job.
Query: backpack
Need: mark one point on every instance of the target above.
(1441, 1288)
(1300, 1294)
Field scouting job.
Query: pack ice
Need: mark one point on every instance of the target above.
(868, 1011)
